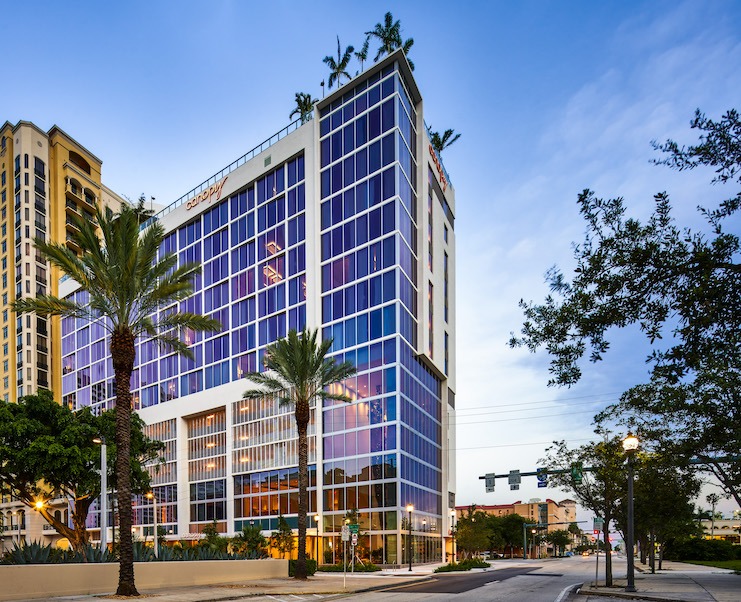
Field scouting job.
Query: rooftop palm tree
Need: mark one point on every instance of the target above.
(362, 54)
(388, 34)
(126, 284)
(440, 143)
(304, 106)
(338, 67)
(299, 374)
(406, 46)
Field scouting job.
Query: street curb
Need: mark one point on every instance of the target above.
(627, 595)
(391, 587)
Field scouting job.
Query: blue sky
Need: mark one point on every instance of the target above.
(550, 98)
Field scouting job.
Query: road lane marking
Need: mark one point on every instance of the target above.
(566, 591)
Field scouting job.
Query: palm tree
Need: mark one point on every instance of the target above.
(406, 46)
(712, 499)
(362, 54)
(388, 34)
(300, 374)
(304, 106)
(126, 286)
(338, 68)
(440, 143)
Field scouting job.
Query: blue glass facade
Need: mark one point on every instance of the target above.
(325, 229)
(252, 249)
(390, 435)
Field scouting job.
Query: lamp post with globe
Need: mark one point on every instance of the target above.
(630, 445)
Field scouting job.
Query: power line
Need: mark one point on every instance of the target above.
(534, 409)
(524, 403)
(516, 444)
(523, 418)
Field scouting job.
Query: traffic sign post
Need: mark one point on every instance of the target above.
(514, 480)
(542, 474)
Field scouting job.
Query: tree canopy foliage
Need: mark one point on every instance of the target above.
(47, 451)
(681, 286)
(599, 489)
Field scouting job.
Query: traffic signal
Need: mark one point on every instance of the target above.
(576, 472)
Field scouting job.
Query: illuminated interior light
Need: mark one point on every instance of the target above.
(210, 417)
(210, 445)
(244, 460)
(210, 465)
(271, 274)
(272, 247)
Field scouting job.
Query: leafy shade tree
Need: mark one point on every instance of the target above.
(676, 283)
(472, 532)
(338, 68)
(511, 526)
(304, 106)
(126, 286)
(440, 143)
(388, 35)
(47, 451)
(559, 539)
(600, 489)
(300, 374)
(662, 497)
(575, 532)
(282, 539)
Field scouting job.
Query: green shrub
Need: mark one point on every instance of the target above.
(702, 549)
(310, 567)
(368, 567)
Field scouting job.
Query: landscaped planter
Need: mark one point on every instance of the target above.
(20, 582)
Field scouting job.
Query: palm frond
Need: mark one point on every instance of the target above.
(49, 305)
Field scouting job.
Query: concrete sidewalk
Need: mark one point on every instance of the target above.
(676, 581)
(321, 585)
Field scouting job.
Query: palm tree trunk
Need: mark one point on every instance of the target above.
(302, 422)
(122, 353)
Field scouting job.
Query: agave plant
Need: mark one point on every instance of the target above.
(31, 553)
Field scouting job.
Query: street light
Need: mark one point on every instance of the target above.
(103, 491)
(630, 445)
(452, 530)
(150, 495)
(410, 507)
(316, 540)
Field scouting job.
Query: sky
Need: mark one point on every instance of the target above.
(549, 98)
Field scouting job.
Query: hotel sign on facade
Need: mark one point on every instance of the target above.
(439, 167)
(212, 193)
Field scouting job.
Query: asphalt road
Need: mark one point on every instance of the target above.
(507, 580)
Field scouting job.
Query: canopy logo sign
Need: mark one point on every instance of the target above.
(205, 195)
(439, 167)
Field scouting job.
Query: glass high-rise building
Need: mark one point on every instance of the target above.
(343, 223)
